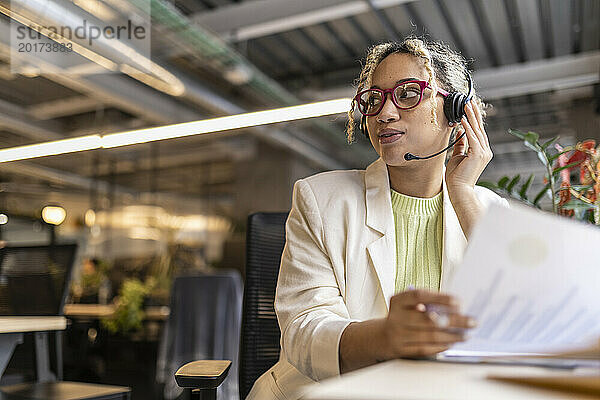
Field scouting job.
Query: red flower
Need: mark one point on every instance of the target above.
(561, 161)
(564, 196)
(582, 153)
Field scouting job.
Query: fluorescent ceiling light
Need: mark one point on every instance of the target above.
(237, 121)
(51, 148)
(211, 125)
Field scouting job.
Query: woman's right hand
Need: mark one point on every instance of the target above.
(409, 331)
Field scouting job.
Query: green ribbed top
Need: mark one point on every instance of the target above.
(419, 235)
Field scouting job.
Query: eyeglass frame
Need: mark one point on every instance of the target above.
(422, 84)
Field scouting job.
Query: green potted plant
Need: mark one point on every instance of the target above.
(129, 314)
(580, 201)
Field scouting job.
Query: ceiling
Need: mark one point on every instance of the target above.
(537, 62)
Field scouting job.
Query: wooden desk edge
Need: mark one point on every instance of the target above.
(17, 324)
(106, 310)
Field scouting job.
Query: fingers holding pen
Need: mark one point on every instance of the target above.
(422, 322)
(450, 320)
(404, 341)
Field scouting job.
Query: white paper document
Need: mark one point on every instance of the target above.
(532, 282)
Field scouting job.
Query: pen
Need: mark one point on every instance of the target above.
(438, 314)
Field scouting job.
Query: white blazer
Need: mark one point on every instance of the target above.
(338, 266)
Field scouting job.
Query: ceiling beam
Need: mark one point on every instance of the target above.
(386, 24)
(61, 177)
(107, 88)
(517, 79)
(63, 107)
(119, 91)
(16, 119)
(252, 19)
(539, 76)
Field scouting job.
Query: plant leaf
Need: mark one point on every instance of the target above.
(541, 194)
(513, 182)
(533, 138)
(549, 142)
(578, 205)
(503, 181)
(557, 170)
(555, 156)
(542, 158)
(517, 133)
(532, 146)
(488, 185)
(581, 188)
(524, 187)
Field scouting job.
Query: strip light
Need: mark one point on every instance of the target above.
(51, 148)
(138, 136)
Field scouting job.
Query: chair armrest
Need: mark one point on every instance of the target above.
(202, 374)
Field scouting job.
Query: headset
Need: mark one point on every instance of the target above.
(454, 110)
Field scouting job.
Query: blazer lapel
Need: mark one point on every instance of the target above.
(455, 241)
(380, 217)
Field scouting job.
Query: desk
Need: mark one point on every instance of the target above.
(11, 334)
(427, 380)
(31, 324)
(157, 313)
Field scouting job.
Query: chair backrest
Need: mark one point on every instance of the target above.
(34, 280)
(260, 347)
(204, 323)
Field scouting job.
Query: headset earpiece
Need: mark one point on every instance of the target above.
(454, 106)
(454, 103)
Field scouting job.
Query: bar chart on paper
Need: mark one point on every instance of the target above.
(527, 281)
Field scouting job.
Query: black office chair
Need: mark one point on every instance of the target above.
(204, 323)
(34, 280)
(259, 348)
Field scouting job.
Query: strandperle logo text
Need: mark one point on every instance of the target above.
(85, 31)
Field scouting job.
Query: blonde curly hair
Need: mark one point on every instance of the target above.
(445, 67)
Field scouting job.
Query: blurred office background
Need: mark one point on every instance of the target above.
(145, 213)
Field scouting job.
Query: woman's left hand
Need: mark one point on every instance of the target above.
(463, 169)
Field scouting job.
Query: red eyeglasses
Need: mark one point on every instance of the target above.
(405, 95)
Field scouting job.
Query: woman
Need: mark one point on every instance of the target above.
(359, 241)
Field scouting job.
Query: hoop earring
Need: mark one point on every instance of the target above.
(363, 127)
